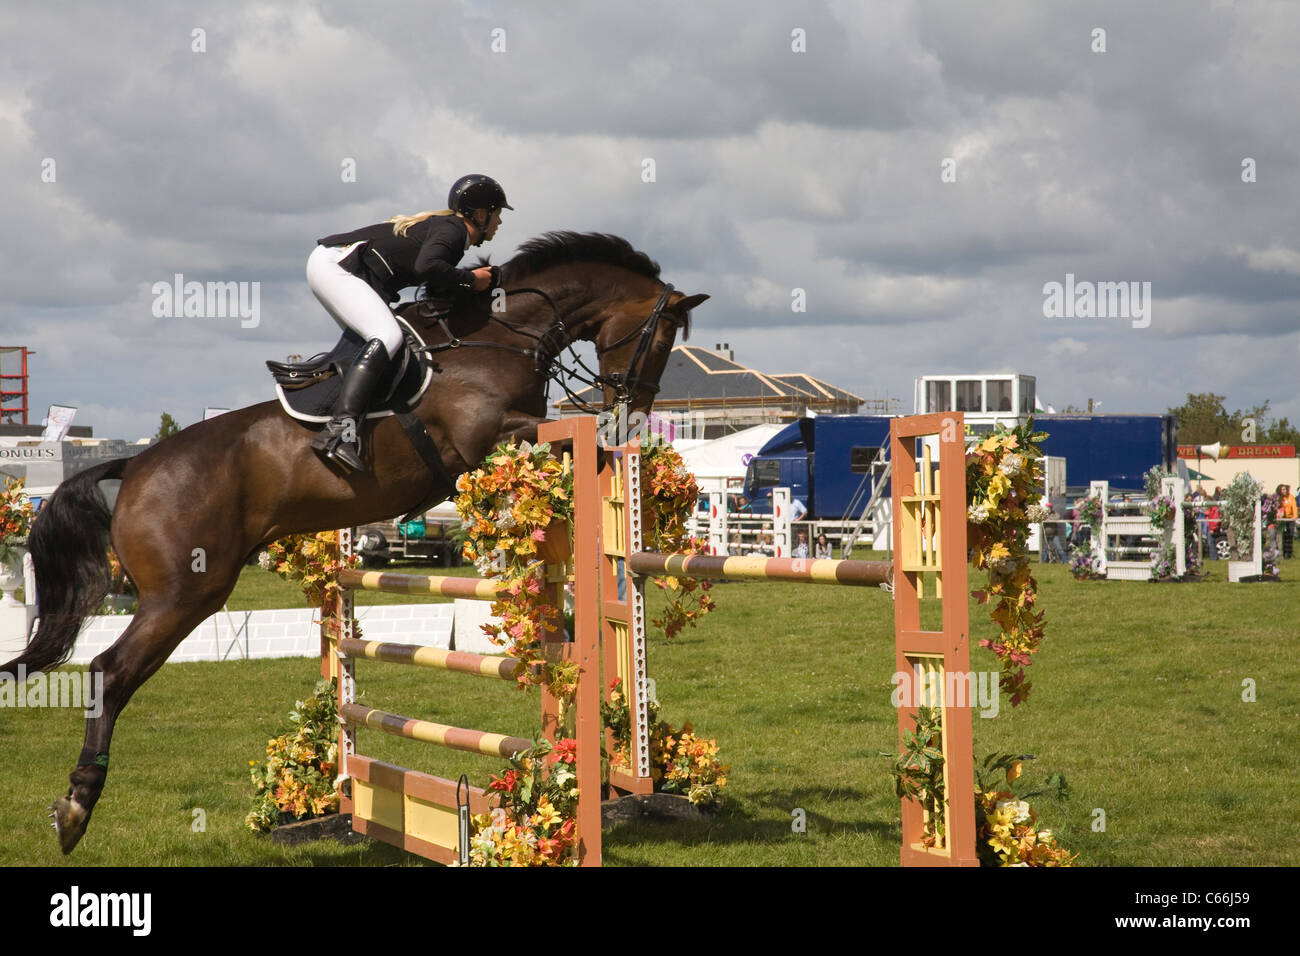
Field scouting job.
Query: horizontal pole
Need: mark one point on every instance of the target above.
(463, 662)
(443, 735)
(824, 571)
(483, 589)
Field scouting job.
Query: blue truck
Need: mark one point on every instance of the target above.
(822, 460)
(1114, 448)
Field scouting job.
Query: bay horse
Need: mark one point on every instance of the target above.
(235, 483)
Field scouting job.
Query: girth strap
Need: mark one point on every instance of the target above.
(424, 446)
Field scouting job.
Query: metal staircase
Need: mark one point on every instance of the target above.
(882, 462)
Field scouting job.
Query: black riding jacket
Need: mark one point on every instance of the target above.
(430, 252)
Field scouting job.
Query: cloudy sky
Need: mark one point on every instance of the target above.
(920, 169)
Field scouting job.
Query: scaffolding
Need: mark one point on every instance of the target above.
(13, 385)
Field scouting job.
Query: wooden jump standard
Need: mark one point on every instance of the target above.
(923, 520)
(424, 814)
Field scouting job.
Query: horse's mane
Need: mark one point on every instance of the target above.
(557, 248)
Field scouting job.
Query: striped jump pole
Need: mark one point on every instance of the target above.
(462, 662)
(444, 735)
(482, 589)
(757, 568)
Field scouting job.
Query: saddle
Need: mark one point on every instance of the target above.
(307, 390)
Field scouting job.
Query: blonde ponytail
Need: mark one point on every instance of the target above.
(403, 223)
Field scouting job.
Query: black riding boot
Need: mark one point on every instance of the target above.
(340, 439)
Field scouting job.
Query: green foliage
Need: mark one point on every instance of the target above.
(918, 770)
(166, 427)
(1203, 420)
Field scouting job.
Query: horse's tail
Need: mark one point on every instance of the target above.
(69, 547)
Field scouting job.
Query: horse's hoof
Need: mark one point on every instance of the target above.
(70, 819)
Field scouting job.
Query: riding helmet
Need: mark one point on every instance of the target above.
(476, 191)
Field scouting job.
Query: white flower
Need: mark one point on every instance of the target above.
(505, 519)
(1019, 809)
(265, 561)
(977, 514)
(1011, 465)
(1037, 513)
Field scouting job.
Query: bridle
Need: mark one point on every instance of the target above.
(626, 384)
(554, 339)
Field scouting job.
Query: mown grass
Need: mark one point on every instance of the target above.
(1137, 699)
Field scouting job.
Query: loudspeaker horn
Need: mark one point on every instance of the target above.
(1210, 451)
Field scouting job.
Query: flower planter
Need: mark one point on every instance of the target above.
(555, 548)
(11, 576)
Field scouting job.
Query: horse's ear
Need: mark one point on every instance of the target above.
(690, 302)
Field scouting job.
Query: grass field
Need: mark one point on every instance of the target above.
(1137, 700)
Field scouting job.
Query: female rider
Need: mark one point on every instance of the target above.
(356, 274)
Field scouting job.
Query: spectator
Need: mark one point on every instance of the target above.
(801, 546)
(797, 510)
(822, 548)
(1212, 518)
(1287, 512)
(1197, 498)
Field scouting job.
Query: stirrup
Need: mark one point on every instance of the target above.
(329, 444)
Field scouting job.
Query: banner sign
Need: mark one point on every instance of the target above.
(57, 422)
(1243, 451)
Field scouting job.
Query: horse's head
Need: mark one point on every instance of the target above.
(635, 339)
(600, 289)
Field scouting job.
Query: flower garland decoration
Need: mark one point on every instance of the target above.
(1003, 473)
(535, 823)
(1085, 565)
(1238, 510)
(1090, 512)
(310, 560)
(1161, 511)
(668, 495)
(1085, 562)
(1006, 829)
(15, 518)
(506, 506)
(680, 761)
(298, 779)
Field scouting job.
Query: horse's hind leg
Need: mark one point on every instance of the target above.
(159, 625)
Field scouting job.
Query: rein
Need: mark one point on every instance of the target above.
(552, 342)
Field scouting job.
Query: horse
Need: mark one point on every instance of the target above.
(193, 508)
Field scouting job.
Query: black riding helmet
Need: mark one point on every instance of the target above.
(476, 191)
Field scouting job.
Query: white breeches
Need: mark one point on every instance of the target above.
(350, 300)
